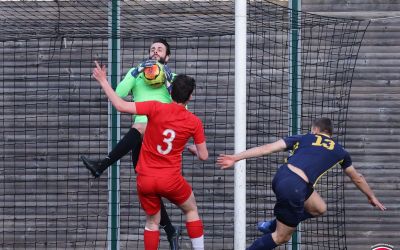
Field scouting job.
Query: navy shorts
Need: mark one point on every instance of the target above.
(291, 192)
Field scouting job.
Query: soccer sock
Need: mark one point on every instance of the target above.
(151, 239)
(165, 222)
(198, 243)
(129, 141)
(272, 225)
(196, 233)
(264, 243)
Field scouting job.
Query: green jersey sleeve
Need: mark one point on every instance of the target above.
(126, 86)
(141, 92)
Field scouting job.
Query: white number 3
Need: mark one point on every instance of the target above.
(169, 137)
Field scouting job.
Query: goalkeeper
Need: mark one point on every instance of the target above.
(134, 84)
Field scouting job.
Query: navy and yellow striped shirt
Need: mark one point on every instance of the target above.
(315, 154)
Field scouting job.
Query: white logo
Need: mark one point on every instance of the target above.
(382, 247)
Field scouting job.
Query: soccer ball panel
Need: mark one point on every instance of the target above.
(154, 75)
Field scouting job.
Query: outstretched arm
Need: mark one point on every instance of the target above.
(363, 186)
(100, 74)
(227, 161)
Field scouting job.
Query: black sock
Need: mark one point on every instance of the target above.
(264, 243)
(129, 141)
(135, 151)
(165, 222)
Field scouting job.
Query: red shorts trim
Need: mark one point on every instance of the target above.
(150, 190)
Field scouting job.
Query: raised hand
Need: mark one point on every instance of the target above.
(99, 72)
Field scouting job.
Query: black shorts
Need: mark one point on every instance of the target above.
(291, 192)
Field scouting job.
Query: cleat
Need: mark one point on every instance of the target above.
(92, 166)
(174, 239)
(267, 227)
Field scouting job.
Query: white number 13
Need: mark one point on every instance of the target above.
(169, 137)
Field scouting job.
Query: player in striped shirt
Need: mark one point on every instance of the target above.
(313, 154)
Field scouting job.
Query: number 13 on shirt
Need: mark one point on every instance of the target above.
(324, 142)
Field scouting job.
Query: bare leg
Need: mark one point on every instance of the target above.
(194, 225)
(315, 205)
(152, 221)
(151, 232)
(189, 207)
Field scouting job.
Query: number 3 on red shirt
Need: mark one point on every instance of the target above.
(169, 137)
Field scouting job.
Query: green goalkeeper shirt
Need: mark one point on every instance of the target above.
(141, 92)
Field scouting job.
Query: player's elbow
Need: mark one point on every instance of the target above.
(203, 155)
(202, 152)
(120, 107)
(117, 106)
(125, 107)
(358, 178)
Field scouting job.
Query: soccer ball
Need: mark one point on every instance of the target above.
(154, 75)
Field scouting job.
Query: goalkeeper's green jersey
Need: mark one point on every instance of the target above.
(141, 92)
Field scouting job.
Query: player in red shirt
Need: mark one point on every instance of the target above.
(169, 128)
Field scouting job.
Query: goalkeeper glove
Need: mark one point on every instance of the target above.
(168, 78)
(140, 67)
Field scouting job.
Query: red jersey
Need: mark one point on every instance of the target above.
(169, 128)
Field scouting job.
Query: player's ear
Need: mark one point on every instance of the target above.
(315, 130)
(190, 98)
(166, 59)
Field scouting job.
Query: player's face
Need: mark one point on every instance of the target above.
(158, 52)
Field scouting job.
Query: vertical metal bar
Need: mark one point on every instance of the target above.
(240, 123)
(295, 84)
(113, 126)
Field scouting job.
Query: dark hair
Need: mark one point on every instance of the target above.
(163, 41)
(182, 88)
(324, 124)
